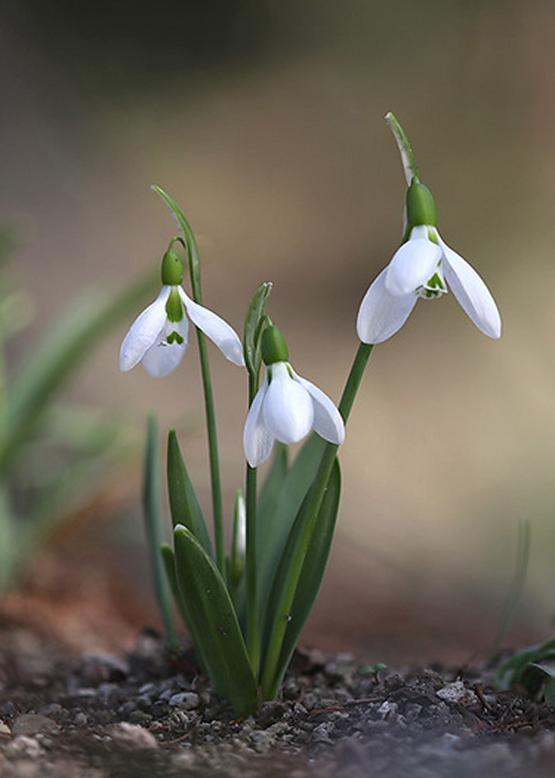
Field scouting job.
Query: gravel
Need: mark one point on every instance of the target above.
(146, 714)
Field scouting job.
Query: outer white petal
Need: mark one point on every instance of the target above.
(287, 410)
(381, 314)
(144, 331)
(215, 328)
(471, 292)
(412, 265)
(328, 422)
(257, 440)
(162, 358)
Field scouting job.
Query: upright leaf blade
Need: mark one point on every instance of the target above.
(275, 525)
(271, 488)
(251, 332)
(312, 572)
(215, 627)
(184, 506)
(151, 505)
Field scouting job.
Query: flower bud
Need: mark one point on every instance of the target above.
(273, 346)
(421, 208)
(172, 267)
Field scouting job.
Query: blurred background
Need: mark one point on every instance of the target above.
(265, 121)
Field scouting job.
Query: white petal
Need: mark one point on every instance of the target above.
(328, 422)
(215, 328)
(162, 358)
(257, 440)
(471, 292)
(412, 265)
(144, 331)
(287, 410)
(381, 314)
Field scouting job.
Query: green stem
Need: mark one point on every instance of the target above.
(217, 507)
(315, 498)
(253, 636)
(407, 155)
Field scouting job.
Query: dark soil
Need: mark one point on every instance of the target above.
(149, 715)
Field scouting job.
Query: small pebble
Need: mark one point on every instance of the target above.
(133, 736)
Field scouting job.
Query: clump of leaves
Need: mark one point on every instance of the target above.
(532, 671)
(52, 456)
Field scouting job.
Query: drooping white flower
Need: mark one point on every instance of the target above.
(159, 335)
(286, 407)
(423, 267)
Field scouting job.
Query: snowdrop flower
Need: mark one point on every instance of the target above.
(159, 335)
(286, 407)
(424, 267)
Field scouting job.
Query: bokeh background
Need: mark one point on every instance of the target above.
(265, 121)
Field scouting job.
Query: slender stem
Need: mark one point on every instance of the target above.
(315, 498)
(253, 636)
(217, 508)
(217, 504)
(407, 155)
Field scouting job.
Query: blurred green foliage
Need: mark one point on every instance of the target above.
(52, 456)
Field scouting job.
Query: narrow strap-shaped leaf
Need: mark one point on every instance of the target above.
(64, 348)
(184, 506)
(271, 488)
(151, 506)
(311, 576)
(277, 523)
(216, 630)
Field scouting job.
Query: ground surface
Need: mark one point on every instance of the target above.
(142, 715)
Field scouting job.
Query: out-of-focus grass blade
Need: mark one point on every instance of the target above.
(252, 328)
(517, 584)
(215, 627)
(151, 504)
(277, 523)
(185, 508)
(54, 359)
(311, 576)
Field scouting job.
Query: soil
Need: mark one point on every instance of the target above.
(147, 714)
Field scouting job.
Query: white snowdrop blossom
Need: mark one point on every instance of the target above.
(286, 408)
(424, 267)
(159, 335)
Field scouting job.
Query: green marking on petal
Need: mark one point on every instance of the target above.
(174, 306)
(175, 337)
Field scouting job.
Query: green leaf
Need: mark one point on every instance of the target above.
(271, 488)
(216, 630)
(184, 506)
(513, 672)
(153, 528)
(252, 328)
(275, 523)
(312, 572)
(53, 361)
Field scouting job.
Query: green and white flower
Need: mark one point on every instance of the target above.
(287, 406)
(159, 335)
